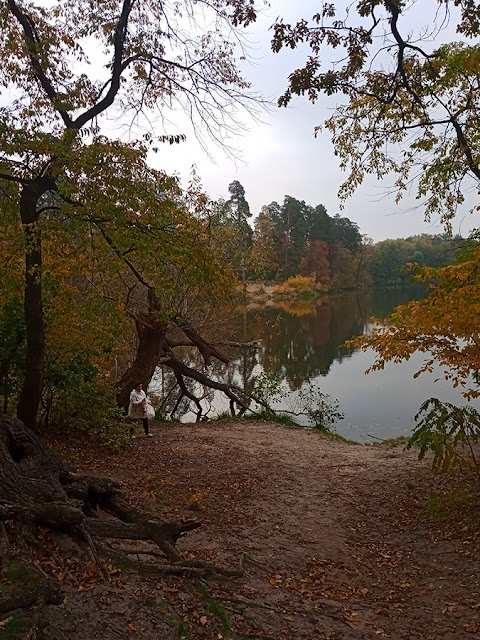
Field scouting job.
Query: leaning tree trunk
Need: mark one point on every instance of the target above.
(29, 402)
(151, 331)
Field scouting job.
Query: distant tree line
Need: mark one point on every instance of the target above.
(294, 238)
(390, 257)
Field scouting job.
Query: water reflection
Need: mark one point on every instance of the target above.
(303, 342)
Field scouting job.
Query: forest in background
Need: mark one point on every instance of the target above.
(294, 238)
(98, 296)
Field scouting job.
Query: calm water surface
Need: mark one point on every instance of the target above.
(303, 342)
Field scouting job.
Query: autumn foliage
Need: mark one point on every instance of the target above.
(443, 326)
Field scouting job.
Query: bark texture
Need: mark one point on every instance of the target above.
(39, 493)
(30, 396)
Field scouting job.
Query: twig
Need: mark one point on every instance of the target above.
(245, 559)
(32, 632)
(259, 636)
(4, 550)
(93, 549)
(250, 603)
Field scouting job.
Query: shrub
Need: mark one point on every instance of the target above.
(321, 410)
(451, 433)
(298, 285)
(77, 400)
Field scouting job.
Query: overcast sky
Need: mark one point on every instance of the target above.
(280, 156)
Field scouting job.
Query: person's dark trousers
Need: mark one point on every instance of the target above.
(145, 425)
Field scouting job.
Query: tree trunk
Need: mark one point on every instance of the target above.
(29, 402)
(151, 333)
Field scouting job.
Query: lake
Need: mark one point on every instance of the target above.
(302, 342)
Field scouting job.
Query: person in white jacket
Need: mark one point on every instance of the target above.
(137, 408)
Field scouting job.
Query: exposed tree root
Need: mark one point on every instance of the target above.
(39, 493)
(27, 586)
(183, 567)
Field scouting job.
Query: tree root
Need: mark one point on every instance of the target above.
(162, 533)
(37, 492)
(182, 567)
(27, 586)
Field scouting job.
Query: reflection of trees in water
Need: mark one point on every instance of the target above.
(384, 301)
(314, 342)
(299, 341)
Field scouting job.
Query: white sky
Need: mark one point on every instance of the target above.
(280, 155)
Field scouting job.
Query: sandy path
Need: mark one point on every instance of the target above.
(334, 538)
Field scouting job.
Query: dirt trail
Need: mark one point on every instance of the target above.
(334, 540)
